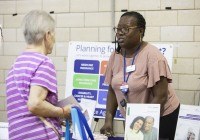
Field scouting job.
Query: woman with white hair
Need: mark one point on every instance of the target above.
(31, 85)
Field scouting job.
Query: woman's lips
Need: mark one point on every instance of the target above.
(120, 40)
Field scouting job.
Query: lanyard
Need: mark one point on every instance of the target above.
(126, 79)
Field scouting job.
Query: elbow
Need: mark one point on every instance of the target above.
(33, 106)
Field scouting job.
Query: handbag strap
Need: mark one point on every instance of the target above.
(50, 126)
(67, 132)
(83, 124)
(76, 123)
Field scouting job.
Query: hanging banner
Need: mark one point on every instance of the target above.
(86, 65)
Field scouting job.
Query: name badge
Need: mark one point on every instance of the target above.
(124, 88)
(130, 68)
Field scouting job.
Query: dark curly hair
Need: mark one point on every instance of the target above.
(135, 120)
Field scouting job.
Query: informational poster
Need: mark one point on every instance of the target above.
(167, 51)
(142, 121)
(188, 125)
(86, 65)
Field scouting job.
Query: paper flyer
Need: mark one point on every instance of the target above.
(188, 125)
(88, 107)
(67, 101)
(142, 121)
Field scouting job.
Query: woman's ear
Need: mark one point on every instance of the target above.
(141, 30)
(47, 36)
(46, 39)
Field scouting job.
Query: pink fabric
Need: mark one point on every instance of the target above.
(150, 65)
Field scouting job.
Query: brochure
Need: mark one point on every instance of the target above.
(188, 125)
(142, 121)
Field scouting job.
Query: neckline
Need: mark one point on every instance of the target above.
(143, 46)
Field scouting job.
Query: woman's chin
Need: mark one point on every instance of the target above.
(121, 44)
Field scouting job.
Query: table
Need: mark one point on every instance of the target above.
(110, 138)
(116, 138)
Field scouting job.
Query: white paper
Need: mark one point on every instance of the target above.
(188, 123)
(4, 131)
(69, 100)
(89, 106)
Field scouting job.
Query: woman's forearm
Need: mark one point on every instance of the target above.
(45, 109)
(111, 106)
(160, 93)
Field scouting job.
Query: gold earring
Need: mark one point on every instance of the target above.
(140, 38)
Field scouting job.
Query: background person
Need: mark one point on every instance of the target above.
(138, 73)
(31, 85)
(134, 132)
(150, 132)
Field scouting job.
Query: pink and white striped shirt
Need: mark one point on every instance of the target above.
(29, 69)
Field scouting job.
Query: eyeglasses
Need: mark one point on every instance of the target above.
(124, 30)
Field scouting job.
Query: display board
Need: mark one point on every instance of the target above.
(86, 65)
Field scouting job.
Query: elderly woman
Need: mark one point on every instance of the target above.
(31, 85)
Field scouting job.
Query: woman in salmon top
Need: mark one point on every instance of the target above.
(137, 72)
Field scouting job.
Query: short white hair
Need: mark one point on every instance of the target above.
(35, 24)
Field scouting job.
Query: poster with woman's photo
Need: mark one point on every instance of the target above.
(188, 125)
(142, 121)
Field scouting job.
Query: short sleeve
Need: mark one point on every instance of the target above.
(109, 73)
(157, 69)
(45, 76)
